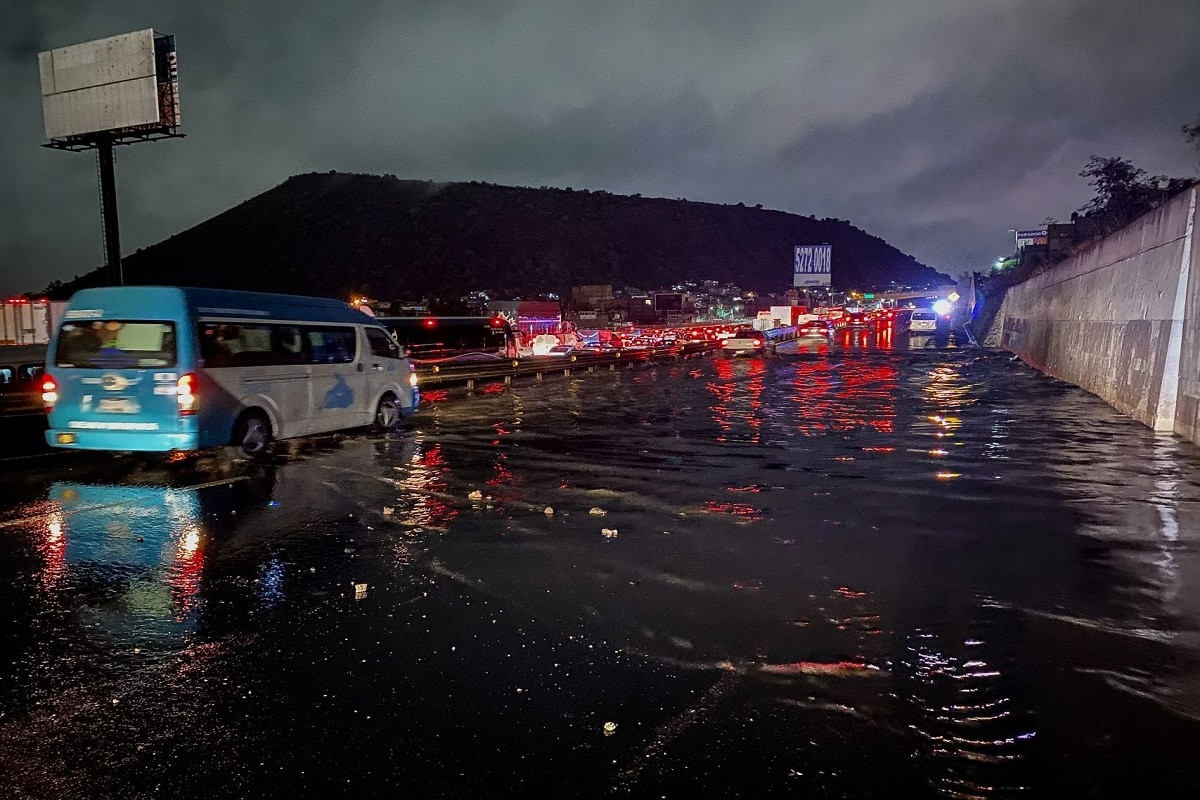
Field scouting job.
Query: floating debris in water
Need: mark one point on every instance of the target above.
(597, 512)
(388, 511)
(360, 591)
(549, 511)
(610, 728)
(609, 533)
(475, 495)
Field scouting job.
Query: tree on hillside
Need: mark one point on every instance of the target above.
(1124, 191)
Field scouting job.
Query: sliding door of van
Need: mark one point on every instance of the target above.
(336, 394)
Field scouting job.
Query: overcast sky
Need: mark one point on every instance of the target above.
(936, 124)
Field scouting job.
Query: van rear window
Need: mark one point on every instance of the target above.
(116, 344)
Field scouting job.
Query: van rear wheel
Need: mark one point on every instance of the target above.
(387, 414)
(252, 436)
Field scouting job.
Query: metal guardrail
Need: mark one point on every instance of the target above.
(783, 334)
(431, 375)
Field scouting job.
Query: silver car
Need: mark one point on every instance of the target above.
(748, 342)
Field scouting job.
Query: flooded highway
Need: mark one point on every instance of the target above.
(835, 572)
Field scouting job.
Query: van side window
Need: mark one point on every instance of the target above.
(288, 344)
(235, 345)
(332, 345)
(253, 344)
(382, 345)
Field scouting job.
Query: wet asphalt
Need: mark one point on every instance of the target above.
(847, 571)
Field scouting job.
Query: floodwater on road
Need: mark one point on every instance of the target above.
(846, 574)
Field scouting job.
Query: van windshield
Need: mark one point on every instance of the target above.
(116, 344)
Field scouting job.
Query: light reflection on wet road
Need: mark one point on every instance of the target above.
(813, 575)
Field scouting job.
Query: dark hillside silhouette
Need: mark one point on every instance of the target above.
(338, 234)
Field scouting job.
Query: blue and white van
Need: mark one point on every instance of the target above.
(154, 368)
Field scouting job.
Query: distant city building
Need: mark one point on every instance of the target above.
(601, 306)
(1047, 244)
(591, 297)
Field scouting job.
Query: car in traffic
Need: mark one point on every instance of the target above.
(857, 319)
(21, 368)
(815, 327)
(562, 350)
(747, 341)
(922, 322)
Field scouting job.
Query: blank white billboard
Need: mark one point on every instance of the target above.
(106, 84)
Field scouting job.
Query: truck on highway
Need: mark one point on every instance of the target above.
(24, 321)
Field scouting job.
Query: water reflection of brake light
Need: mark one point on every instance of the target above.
(49, 392)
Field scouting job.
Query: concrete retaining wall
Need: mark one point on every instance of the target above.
(1122, 319)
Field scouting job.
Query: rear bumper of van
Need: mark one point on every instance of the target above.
(123, 440)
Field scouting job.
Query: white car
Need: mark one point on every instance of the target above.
(747, 342)
(923, 322)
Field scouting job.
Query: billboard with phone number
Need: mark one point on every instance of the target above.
(813, 265)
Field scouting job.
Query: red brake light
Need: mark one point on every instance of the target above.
(49, 392)
(429, 323)
(185, 395)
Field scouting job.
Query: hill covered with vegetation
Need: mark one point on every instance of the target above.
(338, 234)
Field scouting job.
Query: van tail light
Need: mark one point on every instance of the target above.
(185, 395)
(49, 393)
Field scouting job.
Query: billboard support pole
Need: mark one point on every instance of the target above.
(109, 92)
(109, 225)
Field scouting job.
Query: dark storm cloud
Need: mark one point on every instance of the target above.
(937, 124)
